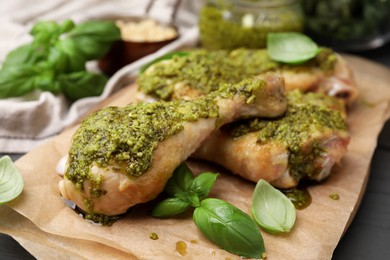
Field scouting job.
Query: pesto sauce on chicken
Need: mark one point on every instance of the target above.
(125, 138)
(206, 71)
(307, 116)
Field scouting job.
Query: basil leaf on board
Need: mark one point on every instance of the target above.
(291, 47)
(11, 181)
(170, 207)
(229, 228)
(271, 209)
(180, 181)
(222, 223)
(203, 183)
(186, 190)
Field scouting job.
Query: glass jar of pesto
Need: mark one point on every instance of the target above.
(230, 24)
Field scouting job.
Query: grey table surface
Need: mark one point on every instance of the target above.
(368, 236)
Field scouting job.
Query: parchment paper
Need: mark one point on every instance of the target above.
(40, 221)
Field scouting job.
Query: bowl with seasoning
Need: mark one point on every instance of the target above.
(139, 37)
(230, 24)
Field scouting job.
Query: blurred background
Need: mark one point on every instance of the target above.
(347, 25)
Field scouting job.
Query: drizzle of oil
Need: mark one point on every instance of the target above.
(181, 248)
(299, 196)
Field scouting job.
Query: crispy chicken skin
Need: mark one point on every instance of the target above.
(109, 187)
(201, 72)
(316, 138)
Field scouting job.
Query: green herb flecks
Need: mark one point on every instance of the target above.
(271, 209)
(222, 223)
(167, 56)
(11, 181)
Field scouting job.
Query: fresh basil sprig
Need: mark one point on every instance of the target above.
(222, 223)
(271, 209)
(291, 47)
(11, 181)
(56, 59)
(186, 191)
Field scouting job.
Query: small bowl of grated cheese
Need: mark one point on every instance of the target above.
(140, 37)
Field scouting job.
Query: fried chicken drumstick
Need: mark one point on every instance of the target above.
(122, 156)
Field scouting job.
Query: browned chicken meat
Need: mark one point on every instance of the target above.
(200, 72)
(303, 144)
(122, 156)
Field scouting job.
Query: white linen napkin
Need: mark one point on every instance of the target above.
(30, 120)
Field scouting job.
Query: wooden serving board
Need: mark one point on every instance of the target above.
(50, 228)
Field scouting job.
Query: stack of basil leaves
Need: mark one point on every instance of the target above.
(56, 59)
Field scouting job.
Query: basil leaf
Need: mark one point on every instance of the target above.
(229, 228)
(46, 81)
(103, 31)
(65, 57)
(170, 207)
(81, 84)
(291, 47)
(20, 55)
(180, 181)
(11, 181)
(46, 33)
(17, 80)
(271, 209)
(203, 183)
(94, 38)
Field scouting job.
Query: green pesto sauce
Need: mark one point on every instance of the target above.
(127, 136)
(224, 28)
(306, 116)
(334, 196)
(300, 197)
(206, 71)
(94, 217)
(153, 236)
